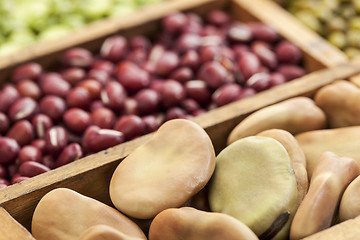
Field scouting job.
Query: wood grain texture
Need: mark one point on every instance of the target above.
(10, 229)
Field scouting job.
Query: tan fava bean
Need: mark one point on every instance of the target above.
(297, 157)
(173, 165)
(332, 174)
(341, 103)
(65, 214)
(193, 224)
(336, 140)
(284, 115)
(349, 206)
(105, 232)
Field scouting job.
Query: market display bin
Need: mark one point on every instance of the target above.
(91, 175)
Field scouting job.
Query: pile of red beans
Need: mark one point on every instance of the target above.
(131, 86)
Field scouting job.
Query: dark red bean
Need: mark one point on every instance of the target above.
(30, 70)
(288, 53)
(139, 41)
(174, 113)
(190, 59)
(12, 169)
(95, 105)
(74, 75)
(78, 97)
(93, 86)
(148, 101)
(4, 123)
(152, 122)
(23, 108)
(28, 88)
(240, 49)
(22, 131)
(41, 123)
(3, 172)
(157, 85)
(132, 77)
(53, 107)
(31, 169)
(96, 139)
(100, 75)
(249, 64)
(240, 32)
(209, 53)
(156, 52)
(76, 119)
(54, 84)
(246, 92)
(49, 161)
(214, 74)
(259, 82)
(18, 179)
(131, 126)
(130, 107)
(277, 79)
(78, 57)
(40, 144)
(263, 32)
(226, 94)
(182, 74)
(291, 72)
(9, 150)
(8, 96)
(199, 91)
(137, 56)
(175, 22)
(103, 117)
(266, 56)
(210, 31)
(56, 139)
(166, 63)
(190, 105)
(70, 153)
(218, 17)
(114, 48)
(104, 65)
(172, 93)
(188, 41)
(113, 95)
(29, 153)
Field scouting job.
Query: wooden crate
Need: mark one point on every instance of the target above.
(91, 175)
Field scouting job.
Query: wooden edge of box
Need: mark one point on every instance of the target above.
(320, 52)
(91, 175)
(10, 229)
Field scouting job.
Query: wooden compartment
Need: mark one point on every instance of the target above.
(91, 175)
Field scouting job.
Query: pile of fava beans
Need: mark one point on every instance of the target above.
(131, 86)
